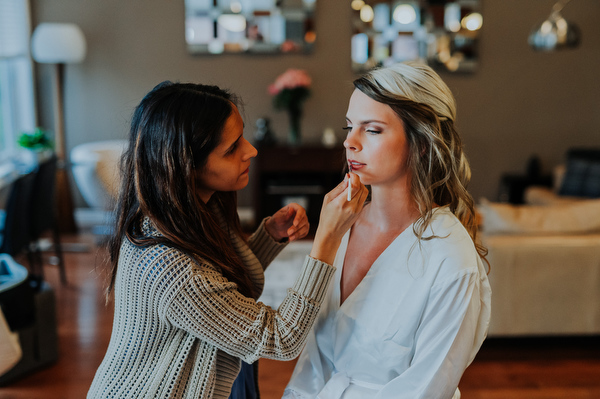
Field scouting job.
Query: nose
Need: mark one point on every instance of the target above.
(250, 152)
(352, 143)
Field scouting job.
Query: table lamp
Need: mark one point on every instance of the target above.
(60, 44)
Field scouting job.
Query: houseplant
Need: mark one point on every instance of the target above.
(290, 90)
(36, 144)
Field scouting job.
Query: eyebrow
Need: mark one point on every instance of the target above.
(369, 121)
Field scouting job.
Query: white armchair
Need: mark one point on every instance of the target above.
(96, 171)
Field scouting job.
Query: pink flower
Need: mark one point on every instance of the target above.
(290, 79)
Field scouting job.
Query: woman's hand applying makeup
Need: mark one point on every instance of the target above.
(338, 214)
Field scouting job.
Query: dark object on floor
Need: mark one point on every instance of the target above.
(39, 338)
(43, 215)
(30, 212)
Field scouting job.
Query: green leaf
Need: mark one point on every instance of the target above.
(38, 140)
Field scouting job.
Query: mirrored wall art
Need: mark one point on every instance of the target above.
(249, 26)
(441, 33)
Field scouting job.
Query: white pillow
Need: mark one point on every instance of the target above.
(571, 217)
(538, 195)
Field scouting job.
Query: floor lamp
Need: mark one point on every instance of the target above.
(59, 44)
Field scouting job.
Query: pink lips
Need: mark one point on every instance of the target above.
(354, 166)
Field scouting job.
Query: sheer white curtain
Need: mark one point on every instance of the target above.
(17, 105)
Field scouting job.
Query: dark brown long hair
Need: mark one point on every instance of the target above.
(173, 130)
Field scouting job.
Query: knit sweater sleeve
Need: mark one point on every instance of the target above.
(209, 306)
(264, 247)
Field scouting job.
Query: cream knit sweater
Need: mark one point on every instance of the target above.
(180, 328)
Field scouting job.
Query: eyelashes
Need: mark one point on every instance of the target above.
(232, 149)
(372, 131)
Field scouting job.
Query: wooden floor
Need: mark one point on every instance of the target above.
(538, 368)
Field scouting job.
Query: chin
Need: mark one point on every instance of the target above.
(242, 184)
(365, 180)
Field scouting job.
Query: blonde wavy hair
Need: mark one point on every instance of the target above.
(440, 170)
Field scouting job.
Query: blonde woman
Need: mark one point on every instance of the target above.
(410, 302)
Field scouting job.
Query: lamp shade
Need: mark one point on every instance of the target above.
(554, 33)
(58, 43)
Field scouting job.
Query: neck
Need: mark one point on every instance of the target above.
(392, 208)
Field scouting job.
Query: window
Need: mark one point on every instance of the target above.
(17, 109)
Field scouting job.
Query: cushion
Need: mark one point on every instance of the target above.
(558, 175)
(582, 175)
(538, 195)
(562, 218)
(107, 169)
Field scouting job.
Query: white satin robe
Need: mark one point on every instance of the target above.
(408, 330)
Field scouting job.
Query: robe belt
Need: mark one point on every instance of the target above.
(338, 383)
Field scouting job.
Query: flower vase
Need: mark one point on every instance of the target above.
(294, 134)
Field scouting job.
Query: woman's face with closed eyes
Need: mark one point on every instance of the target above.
(376, 144)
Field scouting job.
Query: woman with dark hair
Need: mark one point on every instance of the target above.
(184, 276)
(409, 306)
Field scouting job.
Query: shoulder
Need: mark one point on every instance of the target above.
(155, 253)
(162, 261)
(451, 244)
(170, 271)
(446, 226)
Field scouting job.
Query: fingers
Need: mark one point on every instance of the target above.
(291, 222)
(337, 190)
(338, 212)
(356, 188)
(300, 214)
(349, 188)
(297, 232)
(300, 224)
(360, 198)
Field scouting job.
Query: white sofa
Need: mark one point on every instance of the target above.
(545, 263)
(544, 284)
(95, 169)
